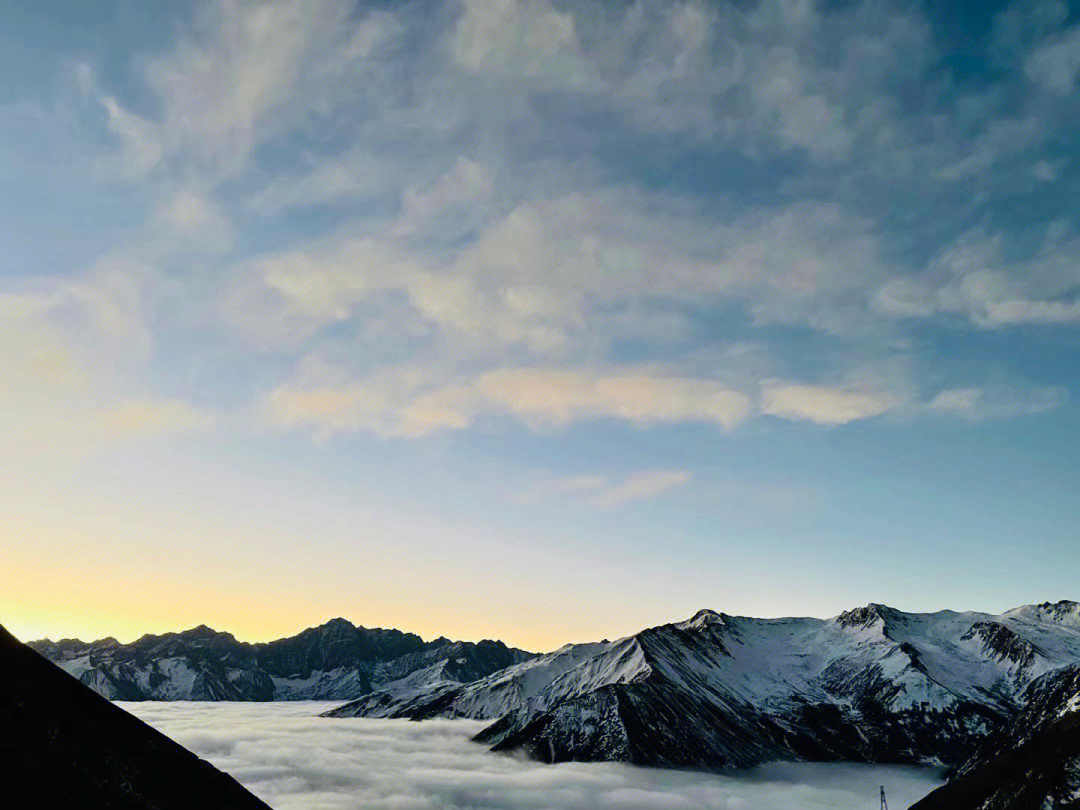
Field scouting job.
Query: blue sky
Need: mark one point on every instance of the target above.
(535, 320)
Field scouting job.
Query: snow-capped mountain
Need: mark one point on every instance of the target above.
(1033, 763)
(872, 684)
(335, 661)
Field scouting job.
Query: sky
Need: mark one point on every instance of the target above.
(289, 757)
(539, 321)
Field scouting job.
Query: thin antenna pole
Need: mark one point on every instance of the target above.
(884, 804)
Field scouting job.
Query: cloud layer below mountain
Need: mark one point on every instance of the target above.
(293, 759)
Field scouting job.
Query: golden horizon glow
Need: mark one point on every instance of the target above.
(57, 621)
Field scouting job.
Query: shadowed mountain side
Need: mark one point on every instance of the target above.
(1032, 764)
(65, 746)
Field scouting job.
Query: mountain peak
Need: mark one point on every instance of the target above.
(864, 616)
(201, 631)
(337, 625)
(703, 618)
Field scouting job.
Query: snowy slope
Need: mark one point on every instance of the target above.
(873, 684)
(526, 685)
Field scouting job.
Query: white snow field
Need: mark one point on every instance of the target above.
(295, 760)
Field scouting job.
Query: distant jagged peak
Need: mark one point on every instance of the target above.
(202, 631)
(337, 626)
(490, 642)
(867, 615)
(343, 629)
(196, 637)
(72, 643)
(704, 618)
(197, 633)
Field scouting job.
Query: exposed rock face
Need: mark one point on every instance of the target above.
(335, 661)
(874, 684)
(1033, 763)
(1004, 643)
(65, 746)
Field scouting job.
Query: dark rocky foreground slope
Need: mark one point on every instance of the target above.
(873, 684)
(1031, 764)
(335, 661)
(64, 746)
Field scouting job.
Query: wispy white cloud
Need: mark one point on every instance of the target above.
(825, 405)
(559, 397)
(542, 275)
(355, 174)
(977, 404)
(549, 486)
(525, 39)
(549, 275)
(603, 491)
(641, 486)
(192, 215)
(1056, 62)
(411, 401)
(974, 278)
(88, 323)
(394, 402)
(510, 265)
(140, 140)
(468, 182)
(741, 74)
(242, 73)
(283, 299)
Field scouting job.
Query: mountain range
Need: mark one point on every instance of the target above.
(334, 661)
(995, 698)
(64, 746)
(873, 684)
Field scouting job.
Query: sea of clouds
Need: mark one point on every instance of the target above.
(295, 760)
